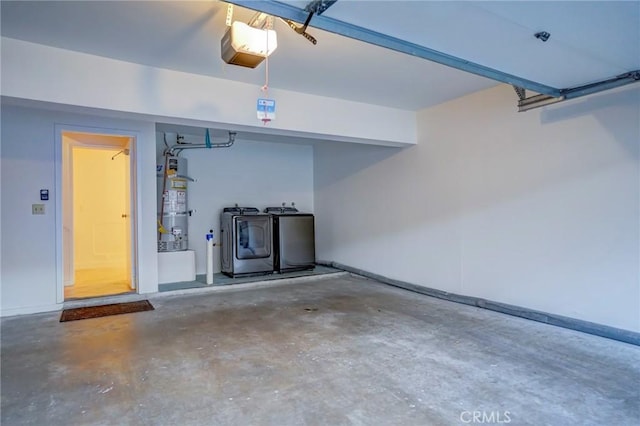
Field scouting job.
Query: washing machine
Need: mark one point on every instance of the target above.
(247, 244)
(294, 243)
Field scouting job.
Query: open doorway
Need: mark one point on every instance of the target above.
(96, 215)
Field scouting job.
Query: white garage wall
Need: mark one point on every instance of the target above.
(251, 174)
(91, 81)
(28, 274)
(536, 209)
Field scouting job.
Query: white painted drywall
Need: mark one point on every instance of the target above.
(29, 265)
(251, 174)
(536, 209)
(74, 78)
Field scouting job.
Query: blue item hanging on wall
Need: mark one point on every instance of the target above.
(207, 139)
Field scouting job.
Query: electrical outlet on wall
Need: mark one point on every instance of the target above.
(37, 209)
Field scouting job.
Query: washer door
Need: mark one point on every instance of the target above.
(253, 237)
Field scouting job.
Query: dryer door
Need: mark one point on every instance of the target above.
(253, 237)
(297, 242)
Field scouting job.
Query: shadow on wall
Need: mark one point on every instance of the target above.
(28, 148)
(352, 159)
(603, 107)
(475, 157)
(204, 22)
(151, 82)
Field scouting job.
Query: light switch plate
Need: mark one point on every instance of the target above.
(37, 209)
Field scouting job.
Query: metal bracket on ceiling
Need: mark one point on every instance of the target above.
(521, 92)
(229, 19)
(319, 6)
(315, 7)
(261, 21)
(303, 29)
(537, 101)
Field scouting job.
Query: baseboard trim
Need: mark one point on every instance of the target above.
(619, 334)
(246, 286)
(11, 312)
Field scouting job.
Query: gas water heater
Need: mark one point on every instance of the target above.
(173, 211)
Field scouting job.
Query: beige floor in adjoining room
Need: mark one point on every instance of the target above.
(95, 283)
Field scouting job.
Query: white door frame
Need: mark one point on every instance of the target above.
(135, 202)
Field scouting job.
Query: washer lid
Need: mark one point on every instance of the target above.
(241, 210)
(281, 210)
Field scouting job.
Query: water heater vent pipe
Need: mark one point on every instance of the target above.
(178, 148)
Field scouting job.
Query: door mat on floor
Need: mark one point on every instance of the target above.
(105, 310)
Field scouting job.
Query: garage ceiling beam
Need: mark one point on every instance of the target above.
(296, 14)
(286, 11)
(526, 103)
(612, 83)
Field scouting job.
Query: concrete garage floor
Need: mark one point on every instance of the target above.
(336, 351)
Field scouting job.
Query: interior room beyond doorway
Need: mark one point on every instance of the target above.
(97, 229)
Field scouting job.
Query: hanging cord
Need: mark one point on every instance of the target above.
(265, 88)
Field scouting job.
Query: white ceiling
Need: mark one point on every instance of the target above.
(589, 41)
